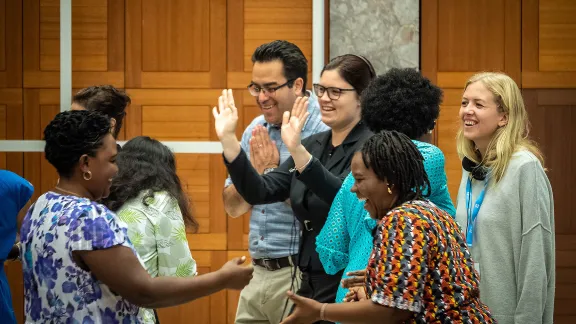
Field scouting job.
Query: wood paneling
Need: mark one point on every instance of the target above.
(552, 112)
(10, 44)
(11, 127)
(97, 43)
(533, 42)
(459, 39)
(160, 55)
(548, 53)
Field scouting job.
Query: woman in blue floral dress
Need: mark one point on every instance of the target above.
(79, 264)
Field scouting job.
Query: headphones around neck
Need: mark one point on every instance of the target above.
(478, 172)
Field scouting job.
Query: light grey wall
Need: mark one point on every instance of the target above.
(385, 31)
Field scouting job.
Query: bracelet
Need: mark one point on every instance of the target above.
(300, 169)
(322, 310)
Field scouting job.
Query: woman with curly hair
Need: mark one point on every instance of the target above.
(147, 195)
(79, 265)
(420, 270)
(405, 101)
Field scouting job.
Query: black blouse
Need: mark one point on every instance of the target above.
(311, 192)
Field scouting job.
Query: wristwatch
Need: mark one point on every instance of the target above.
(268, 170)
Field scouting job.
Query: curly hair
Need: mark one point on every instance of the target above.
(394, 158)
(105, 99)
(72, 134)
(146, 164)
(402, 100)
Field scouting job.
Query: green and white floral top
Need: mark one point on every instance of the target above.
(158, 233)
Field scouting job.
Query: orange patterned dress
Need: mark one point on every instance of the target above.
(420, 263)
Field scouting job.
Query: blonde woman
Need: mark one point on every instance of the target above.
(505, 205)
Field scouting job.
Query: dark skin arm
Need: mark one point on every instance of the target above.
(364, 311)
(15, 251)
(119, 269)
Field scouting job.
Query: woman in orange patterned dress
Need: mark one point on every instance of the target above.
(420, 269)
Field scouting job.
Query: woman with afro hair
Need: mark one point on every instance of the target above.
(401, 100)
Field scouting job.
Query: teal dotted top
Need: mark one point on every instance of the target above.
(345, 241)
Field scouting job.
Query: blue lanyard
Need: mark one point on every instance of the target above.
(472, 210)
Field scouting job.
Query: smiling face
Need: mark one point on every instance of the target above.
(368, 187)
(345, 110)
(271, 75)
(480, 115)
(102, 166)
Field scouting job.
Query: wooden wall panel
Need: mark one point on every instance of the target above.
(11, 127)
(159, 55)
(552, 112)
(10, 44)
(532, 41)
(262, 22)
(548, 52)
(455, 49)
(97, 43)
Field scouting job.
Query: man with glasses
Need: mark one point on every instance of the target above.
(279, 76)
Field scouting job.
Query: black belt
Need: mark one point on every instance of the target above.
(276, 264)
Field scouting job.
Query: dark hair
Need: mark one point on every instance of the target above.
(294, 63)
(146, 164)
(105, 99)
(72, 134)
(395, 158)
(355, 69)
(402, 100)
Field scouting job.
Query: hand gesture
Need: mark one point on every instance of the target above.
(292, 123)
(355, 294)
(263, 151)
(306, 311)
(236, 275)
(357, 279)
(226, 116)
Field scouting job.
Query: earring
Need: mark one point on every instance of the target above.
(389, 191)
(87, 175)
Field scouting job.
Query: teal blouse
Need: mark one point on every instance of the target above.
(345, 241)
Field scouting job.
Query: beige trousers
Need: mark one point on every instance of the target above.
(263, 300)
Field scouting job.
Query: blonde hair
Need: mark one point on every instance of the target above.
(507, 139)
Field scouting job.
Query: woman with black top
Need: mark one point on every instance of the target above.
(318, 164)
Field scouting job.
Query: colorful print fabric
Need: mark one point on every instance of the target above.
(420, 263)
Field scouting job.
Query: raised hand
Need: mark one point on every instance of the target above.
(292, 123)
(263, 151)
(225, 116)
(307, 310)
(237, 275)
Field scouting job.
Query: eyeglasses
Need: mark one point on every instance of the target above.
(268, 91)
(333, 93)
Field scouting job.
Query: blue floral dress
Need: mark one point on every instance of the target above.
(56, 289)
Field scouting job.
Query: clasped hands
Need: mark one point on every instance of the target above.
(263, 151)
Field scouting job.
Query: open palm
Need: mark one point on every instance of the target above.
(226, 115)
(292, 123)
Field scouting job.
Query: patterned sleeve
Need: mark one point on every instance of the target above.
(174, 256)
(399, 264)
(96, 228)
(333, 241)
